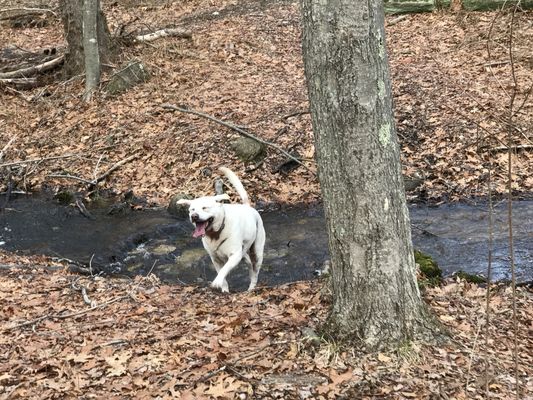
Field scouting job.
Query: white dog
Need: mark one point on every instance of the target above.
(230, 232)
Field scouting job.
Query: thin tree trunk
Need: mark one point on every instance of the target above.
(90, 45)
(72, 16)
(376, 301)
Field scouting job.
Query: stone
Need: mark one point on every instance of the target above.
(248, 150)
(163, 249)
(179, 210)
(127, 77)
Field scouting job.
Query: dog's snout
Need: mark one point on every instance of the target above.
(194, 217)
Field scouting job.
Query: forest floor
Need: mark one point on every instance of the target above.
(243, 65)
(67, 336)
(71, 336)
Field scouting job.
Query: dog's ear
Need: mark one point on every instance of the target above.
(221, 197)
(184, 201)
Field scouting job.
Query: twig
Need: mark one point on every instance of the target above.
(95, 181)
(83, 210)
(495, 63)
(73, 177)
(210, 375)
(510, 200)
(27, 323)
(95, 175)
(230, 364)
(512, 148)
(489, 278)
(33, 70)
(295, 114)
(470, 359)
(32, 160)
(65, 316)
(237, 129)
(84, 294)
(7, 146)
(115, 167)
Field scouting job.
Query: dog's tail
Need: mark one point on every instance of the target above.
(236, 183)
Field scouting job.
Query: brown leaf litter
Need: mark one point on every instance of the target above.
(244, 66)
(144, 339)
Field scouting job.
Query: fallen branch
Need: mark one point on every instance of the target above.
(34, 70)
(21, 83)
(181, 33)
(30, 10)
(237, 129)
(397, 19)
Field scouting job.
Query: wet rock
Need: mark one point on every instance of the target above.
(190, 257)
(179, 210)
(120, 209)
(127, 77)
(248, 150)
(163, 249)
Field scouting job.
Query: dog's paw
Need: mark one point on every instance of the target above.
(220, 284)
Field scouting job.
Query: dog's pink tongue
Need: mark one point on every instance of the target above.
(200, 229)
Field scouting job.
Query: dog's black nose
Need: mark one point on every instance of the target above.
(194, 217)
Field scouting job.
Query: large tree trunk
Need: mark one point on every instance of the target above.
(72, 16)
(90, 45)
(376, 301)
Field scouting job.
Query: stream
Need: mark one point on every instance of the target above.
(456, 236)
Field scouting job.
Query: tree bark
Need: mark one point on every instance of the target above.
(71, 14)
(90, 45)
(376, 301)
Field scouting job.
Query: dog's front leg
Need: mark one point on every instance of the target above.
(233, 261)
(218, 266)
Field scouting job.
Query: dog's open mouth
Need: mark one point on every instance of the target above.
(201, 227)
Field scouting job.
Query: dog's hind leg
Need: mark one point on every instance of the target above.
(251, 260)
(255, 258)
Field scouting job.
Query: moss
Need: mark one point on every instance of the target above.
(64, 197)
(472, 278)
(430, 270)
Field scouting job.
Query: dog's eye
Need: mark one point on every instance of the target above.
(204, 208)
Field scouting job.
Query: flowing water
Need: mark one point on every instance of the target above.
(456, 236)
